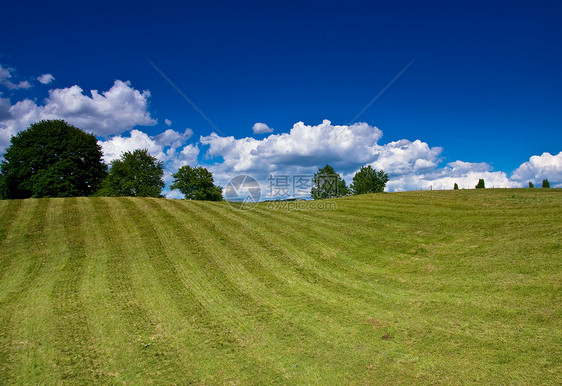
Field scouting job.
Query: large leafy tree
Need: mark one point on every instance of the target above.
(196, 184)
(328, 184)
(368, 180)
(51, 159)
(135, 174)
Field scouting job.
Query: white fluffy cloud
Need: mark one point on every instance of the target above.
(303, 148)
(404, 157)
(45, 78)
(164, 146)
(110, 112)
(539, 167)
(445, 178)
(411, 165)
(5, 79)
(170, 147)
(261, 128)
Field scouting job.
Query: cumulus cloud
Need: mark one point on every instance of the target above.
(114, 111)
(446, 177)
(170, 147)
(303, 148)
(115, 146)
(261, 128)
(173, 138)
(5, 79)
(411, 165)
(404, 157)
(45, 78)
(539, 167)
(163, 146)
(113, 115)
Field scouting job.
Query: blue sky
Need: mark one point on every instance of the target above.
(484, 85)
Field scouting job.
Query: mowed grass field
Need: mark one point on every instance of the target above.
(417, 287)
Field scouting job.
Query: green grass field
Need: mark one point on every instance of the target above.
(418, 287)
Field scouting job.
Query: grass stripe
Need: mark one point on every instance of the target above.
(307, 320)
(250, 298)
(148, 348)
(9, 216)
(32, 258)
(410, 288)
(312, 312)
(77, 360)
(9, 212)
(322, 259)
(182, 294)
(292, 253)
(256, 259)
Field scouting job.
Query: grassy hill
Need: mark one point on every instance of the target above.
(417, 287)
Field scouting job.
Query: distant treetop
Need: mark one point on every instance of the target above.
(135, 174)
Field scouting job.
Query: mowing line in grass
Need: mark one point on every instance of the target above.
(182, 294)
(32, 260)
(251, 299)
(9, 212)
(287, 257)
(148, 349)
(322, 255)
(304, 311)
(284, 279)
(407, 288)
(77, 360)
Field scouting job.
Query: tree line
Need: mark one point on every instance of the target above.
(55, 159)
(329, 184)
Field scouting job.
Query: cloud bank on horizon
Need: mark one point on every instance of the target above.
(116, 115)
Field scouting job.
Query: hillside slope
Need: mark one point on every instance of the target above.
(404, 287)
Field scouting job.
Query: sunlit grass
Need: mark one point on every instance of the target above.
(417, 287)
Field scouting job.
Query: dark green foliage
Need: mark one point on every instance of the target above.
(456, 187)
(545, 183)
(51, 159)
(196, 184)
(328, 184)
(136, 174)
(481, 184)
(531, 185)
(368, 180)
(343, 190)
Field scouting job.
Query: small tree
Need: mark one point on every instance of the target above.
(456, 187)
(196, 184)
(545, 183)
(136, 174)
(328, 184)
(51, 159)
(368, 180)
(531, 185)
(481, 184)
